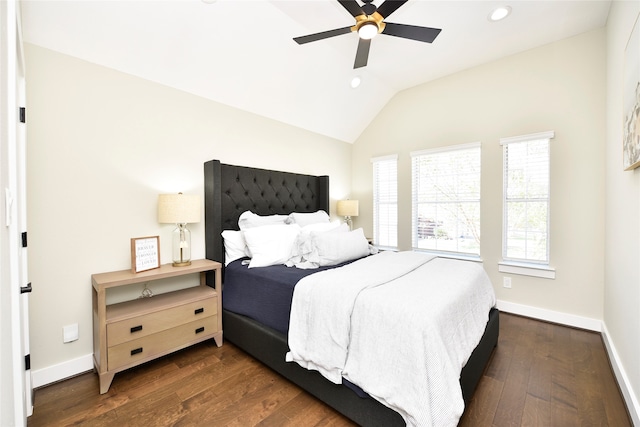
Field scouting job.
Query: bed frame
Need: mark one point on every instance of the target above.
(231, 190)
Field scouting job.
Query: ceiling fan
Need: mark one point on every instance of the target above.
(370, 20)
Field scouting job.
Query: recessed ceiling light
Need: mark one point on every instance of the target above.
(208, 1)
(355, 82)
(499, 13)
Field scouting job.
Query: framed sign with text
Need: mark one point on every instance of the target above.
(145, 253)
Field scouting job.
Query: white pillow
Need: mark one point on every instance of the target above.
(249, 220)
(235, 246)
(270, 244)
(303, 247)
(334, 248)
(304, 219)
(321, 227)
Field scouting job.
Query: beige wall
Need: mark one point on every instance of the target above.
(559, 87)
(101, 146)
(622, 241)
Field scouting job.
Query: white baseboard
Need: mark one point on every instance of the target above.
(551, 316)
(633, 406)
(61, 371)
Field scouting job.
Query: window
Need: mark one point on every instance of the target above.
(525, 236)
(385, 201)
(446, 199)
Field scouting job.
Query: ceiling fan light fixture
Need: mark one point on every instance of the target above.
(368, 30)
(499, 13)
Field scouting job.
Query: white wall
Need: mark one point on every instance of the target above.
(101, 146)
(622, 224)
(559, 87)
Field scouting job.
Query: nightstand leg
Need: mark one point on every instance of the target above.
(218, 338)
(105, 381)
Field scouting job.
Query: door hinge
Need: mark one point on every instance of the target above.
(26, 289)
(24, 239)
(23, 115)
(27, 362)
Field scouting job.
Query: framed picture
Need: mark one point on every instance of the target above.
(145, 253)
(631, 100)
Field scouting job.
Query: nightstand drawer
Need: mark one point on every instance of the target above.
(147, 324)
(161, 342)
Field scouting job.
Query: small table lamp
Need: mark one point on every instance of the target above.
(347, 209)
(179, 209)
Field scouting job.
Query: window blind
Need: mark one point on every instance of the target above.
(526, 181)
(385, 201)
(446, 199)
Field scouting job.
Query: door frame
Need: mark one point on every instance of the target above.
(15, 398)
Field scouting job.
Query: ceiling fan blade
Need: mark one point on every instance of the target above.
(389, 6)
(322, 35)
(413, 32)
(352, 7)
(362, 55)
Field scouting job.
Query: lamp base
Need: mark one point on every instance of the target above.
(181, 246)
(181, 264)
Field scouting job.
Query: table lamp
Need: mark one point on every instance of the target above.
(347, 209)
(180, 209)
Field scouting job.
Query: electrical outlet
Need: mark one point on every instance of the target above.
(70, 333)
(506, 282)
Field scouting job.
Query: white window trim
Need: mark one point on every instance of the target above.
(541, 270)
(446, 149)
(527, 269)
(451, 255)
(383, 158)
(530, 137)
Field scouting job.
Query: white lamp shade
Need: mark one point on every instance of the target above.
(178, 208)
(347, 207)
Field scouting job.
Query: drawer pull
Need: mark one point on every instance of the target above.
(136, 351)
(200, 329)
(136, 328)
(198, 311)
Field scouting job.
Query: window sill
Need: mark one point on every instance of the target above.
(474, 258)
(385, 248)
(524, 269)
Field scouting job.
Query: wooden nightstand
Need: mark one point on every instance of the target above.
(137, 331)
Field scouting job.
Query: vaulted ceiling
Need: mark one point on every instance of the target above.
(241, 52)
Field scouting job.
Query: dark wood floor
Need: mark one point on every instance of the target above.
(540, 375)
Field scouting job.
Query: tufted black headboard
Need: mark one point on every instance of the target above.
(230, 190)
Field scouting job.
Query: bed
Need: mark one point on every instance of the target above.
(231, 190)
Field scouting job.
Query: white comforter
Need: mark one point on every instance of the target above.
(401, 325)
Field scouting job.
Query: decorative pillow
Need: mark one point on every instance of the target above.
(334, 248)
(235, 246)
(304, 219)
(270, 244)
(303, 247)
(249, 220)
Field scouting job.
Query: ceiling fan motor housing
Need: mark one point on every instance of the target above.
(374, 19)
